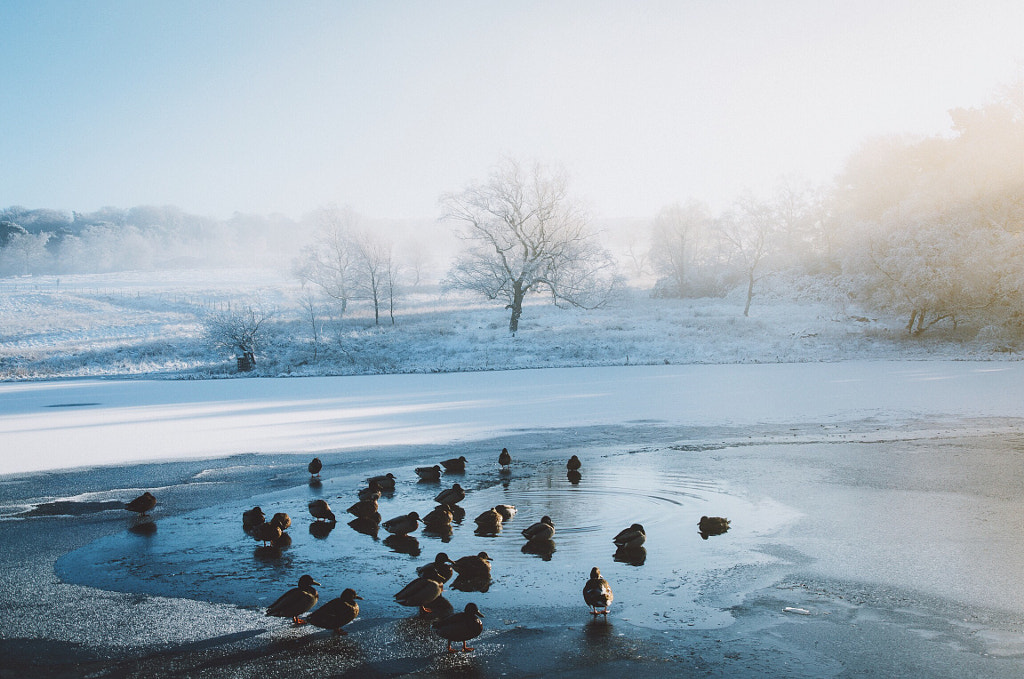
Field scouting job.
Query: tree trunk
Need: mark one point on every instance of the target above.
(517, 308)
(750, 294)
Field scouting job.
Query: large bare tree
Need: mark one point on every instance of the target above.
(525, 235)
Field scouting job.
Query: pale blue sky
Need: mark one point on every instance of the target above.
(266, 107)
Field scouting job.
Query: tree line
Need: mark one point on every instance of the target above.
(928, 229)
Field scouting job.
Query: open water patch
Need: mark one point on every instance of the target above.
(207, 555)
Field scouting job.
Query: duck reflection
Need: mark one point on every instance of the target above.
(634, 556)
(403, 544)
(145, 529)
(367, 525)
(542, 548)
(574, 476)
(321, 529)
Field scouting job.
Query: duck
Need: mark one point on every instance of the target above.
(439, 569)
(461, 627)
(573, 464)
(385, 481)
(268, 533)
(364, 509)
(336, 613)
(321, 511)
(490, 521)
(251, 518)
(451, 496)
(142, 504)
(439, 517)
(474, 566)
(420, 593)
(315, 465)
(402, 525)
(429, 473)
(507, 511)
(282, 521)
(712, 525)
(504, 458)
(371, 492)
(541, 531)
(630, 538)
(296, 601)
(456, 465)
(597, 592)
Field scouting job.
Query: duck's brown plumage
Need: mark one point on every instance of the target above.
(630, 538)
(385, 481)
(267, 532)
(474, 566)
(315, 465)
(296, 601)
(371, 492)
(507, 511)
(364, 509)
(490, 520)
(252, 518)
(142, 503)
(540, 531)
(336, 613)
(456, 464)
(573, 464)
(429, 473)
(504, 458)
(420, 592)
(402, 525)
(282, 521)
(321, 511)
(461, 627)
(438, 517)
(597, 592)
(439, 569)
(451, 496)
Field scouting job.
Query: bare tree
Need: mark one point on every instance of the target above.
(239, 330)
(681, 243)
(749, 230)
(328, 262)
(373, 273)
(524, 235)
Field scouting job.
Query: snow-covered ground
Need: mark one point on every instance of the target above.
(151, 324)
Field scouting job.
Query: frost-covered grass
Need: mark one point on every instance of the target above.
(152, 324)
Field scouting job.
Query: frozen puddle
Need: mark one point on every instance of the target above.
(681, 579)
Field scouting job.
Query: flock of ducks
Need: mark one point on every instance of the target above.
(425, 592)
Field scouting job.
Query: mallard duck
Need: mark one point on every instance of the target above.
(371, 492)
(321, 511)
(402, 525)
(420, 592)
(630, 538)
(363, 509)
(282, 521)
(474, 566)
(293, 603)
(490, 521)
(461, 627)
(712, 525)
(506, 511)
(142, 504)
(252, 518)
(542, 530)
(385, 481)
(451, 496)
(267, 532)
(314, 467)
(336, 613)
(429, 473)
(504, 458)
(456, 465)
(597, 592)
(439, 569)
(573, 464)
(438, 517)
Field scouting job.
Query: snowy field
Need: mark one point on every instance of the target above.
(152, 324)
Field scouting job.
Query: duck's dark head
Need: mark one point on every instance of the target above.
(473, 610)
(350, 595)
(307, 581)
(595, 573)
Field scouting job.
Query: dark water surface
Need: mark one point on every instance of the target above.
(206, 555)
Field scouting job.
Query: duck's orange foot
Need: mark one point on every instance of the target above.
(450, 649)
(298, 621)
(467, 649)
